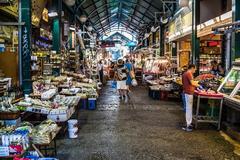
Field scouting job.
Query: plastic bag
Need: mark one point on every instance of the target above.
(134, 83)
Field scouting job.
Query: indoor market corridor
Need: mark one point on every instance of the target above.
(144, 129)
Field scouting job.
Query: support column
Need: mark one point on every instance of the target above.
(227, 53)
(26, 47)
(57, 5)
(235, 36)
(195, 39)
(57, 32)
(161, 39)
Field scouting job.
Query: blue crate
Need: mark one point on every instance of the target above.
(84, 103)
(92, 103)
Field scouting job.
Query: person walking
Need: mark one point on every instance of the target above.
(130, 71)
(121, 77)
(189, 86)
(100, 71)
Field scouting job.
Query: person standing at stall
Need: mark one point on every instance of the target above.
(189, 86)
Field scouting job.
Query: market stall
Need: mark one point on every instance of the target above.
(230, 88)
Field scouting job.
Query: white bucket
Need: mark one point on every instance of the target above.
(72, 123)
(73, 133)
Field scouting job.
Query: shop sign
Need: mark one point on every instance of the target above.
(15, 37)
(25, 41)
(11, 9)
(43, 44)
(37, 10)
(66, 29)
(180, 26)
(5, 32)
(45, 15)
(45, 34)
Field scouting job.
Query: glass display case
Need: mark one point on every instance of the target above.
(230, 82)
(230, 87)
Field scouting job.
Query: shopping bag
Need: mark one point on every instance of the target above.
(134, 83)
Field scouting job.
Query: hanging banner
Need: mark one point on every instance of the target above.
(26, 47)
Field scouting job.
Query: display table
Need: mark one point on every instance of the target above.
(51, 146)
(205, 118)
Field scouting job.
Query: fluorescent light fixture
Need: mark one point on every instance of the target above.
(72, 28)
(183, 3)
(52, 14)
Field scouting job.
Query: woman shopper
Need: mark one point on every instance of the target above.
(100, 71)
(189, 86)
(130, 70)
(121, 77)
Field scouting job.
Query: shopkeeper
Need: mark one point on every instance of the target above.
(217, 69)
(189, 86)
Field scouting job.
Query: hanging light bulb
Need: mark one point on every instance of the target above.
(183, 3)
(70, 2)
(164, 19)
(90, 28)
(146, 35)
(153, 29)
(95, 35)
(83, 18)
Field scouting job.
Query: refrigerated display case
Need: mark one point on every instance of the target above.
(231, 87)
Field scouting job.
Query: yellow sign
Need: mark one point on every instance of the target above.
(12, 9)
(37, 10)
(45, 15)
(180, 23)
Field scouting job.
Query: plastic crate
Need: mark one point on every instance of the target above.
(84, 103)
(91, 103)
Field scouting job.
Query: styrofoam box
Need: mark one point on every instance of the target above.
(42, 110)
(14, 122)
(63, 116)
(4, 151)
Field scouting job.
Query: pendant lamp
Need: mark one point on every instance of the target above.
(70, 2)
(183, 3)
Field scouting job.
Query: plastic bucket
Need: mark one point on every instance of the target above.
(73, 133)
(72, 123)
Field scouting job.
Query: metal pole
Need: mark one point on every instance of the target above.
(20, 43)
(228, 52)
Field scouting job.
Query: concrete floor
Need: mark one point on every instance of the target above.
(144, 129)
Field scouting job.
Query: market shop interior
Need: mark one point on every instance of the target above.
(119, 79)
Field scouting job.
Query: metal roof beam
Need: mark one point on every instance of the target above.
(119, 12)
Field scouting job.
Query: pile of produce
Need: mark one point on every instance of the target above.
(7, 106)
(43, 133)
(205, 76)
(212, 84)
